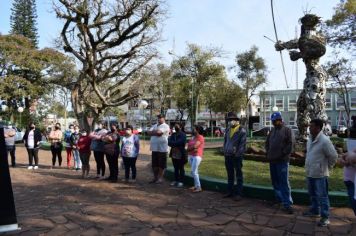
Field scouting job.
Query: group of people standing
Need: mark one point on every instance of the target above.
(321, 156)
(79, 145)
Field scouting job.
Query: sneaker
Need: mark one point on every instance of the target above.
(197, 190)
(102, 178)
(323, 222)
(192, 188)
(133, 181)
(35, 168)
(174, 183)
(30, 167)
(97, 177)
(310, 214)
(289, 210)
(152, 181)
(159, 181)
(180, 185)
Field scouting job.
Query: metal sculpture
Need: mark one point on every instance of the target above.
(311, 45)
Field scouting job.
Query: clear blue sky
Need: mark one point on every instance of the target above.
(233, 25)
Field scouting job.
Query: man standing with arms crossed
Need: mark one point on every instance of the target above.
(234, 149)
(279, 145)
(159, 147)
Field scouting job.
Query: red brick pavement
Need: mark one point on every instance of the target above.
(59, 202)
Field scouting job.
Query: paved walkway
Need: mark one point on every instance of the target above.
(59, 202)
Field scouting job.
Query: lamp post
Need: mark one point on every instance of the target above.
(142, 105)
(20, 110)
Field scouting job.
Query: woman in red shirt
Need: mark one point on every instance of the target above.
(195, 155)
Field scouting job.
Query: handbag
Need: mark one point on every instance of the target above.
(176, 153)
(110, 149)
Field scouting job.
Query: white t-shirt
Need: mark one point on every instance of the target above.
(31, 140)
(160, 143)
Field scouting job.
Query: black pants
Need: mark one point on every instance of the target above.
(113, 162)
(32, 155)
(11, 149)
(56, 151)
(233, 167)
(130, 163)
(100, 163)
(179, 171)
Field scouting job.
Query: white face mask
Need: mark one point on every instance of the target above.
(233, 123)
(9, 126)
(84, 134)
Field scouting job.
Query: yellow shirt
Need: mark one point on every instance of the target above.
(233, 130)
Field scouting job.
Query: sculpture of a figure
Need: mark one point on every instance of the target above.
(311, 45)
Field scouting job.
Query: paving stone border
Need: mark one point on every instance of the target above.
(300, 196)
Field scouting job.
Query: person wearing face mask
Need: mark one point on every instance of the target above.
(130, 148)
(234, 149)
(69, 150)
(98, 148)
(10, 133)
(32, 139)
(177, 143)
(55, 137)
(111, 149)
(279, 146)
(83, 146)
(73, 141)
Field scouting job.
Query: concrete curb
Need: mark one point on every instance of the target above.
(300, 196)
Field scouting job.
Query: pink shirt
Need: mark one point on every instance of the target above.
(200, 150)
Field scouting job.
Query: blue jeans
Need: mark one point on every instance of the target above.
(280, 182)
(233, 167)
(77, 161)
(318, 189)
(194, 162)
(351, 192)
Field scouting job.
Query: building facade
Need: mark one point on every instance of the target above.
(286, 102)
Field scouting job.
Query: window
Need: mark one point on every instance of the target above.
(328, 103)
(267, 121)
(292, 104)
(353, 103)
(292, 120)
(339, 102)
(279, 104)
(266, 104)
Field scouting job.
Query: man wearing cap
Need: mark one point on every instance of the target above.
(159, 147)
(279, 144)
(234, 148)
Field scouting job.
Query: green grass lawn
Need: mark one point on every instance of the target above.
(258, 173)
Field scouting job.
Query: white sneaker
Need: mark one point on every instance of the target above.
(179, 185)
(30, 167)
(173, 183)
(35, 168)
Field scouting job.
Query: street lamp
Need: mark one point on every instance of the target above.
(274, 109)
(20, 110)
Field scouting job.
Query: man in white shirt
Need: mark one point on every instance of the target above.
(159, 147)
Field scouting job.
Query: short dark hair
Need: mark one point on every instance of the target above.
(318, 122)
(129, 127)
(199, 129)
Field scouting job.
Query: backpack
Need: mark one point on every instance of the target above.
(67, 136)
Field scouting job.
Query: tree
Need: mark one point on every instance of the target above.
(194, 71)
(251, 72)
(158, 85)
(341, 80)
(341, 28)
(221, 95)
(23, 19)
(111, 41)
(27, 73)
